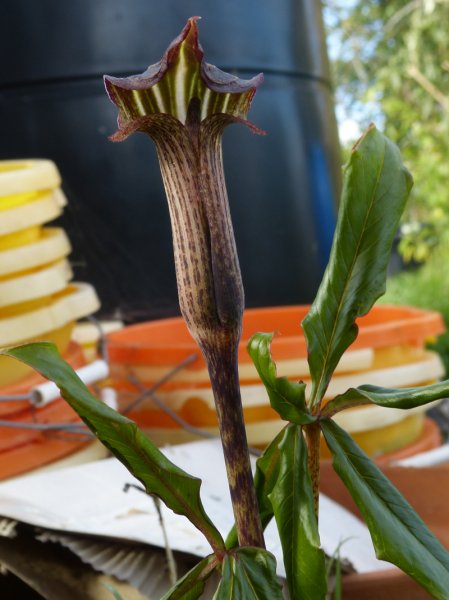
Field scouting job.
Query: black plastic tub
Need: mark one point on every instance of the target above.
(283, 187)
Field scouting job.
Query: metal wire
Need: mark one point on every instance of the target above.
(77, 428)
(151, 394)
(172, 568)
(35, 426)
(16, 398)
(147, 392)
(179, 420)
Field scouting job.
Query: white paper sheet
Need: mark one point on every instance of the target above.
(89, 499)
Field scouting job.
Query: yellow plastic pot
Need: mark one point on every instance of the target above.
(51, 319)
(34, 283)
(20, 177)
(44, 246)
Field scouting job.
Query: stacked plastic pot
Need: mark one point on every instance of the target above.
(389, 351)
(38, 301)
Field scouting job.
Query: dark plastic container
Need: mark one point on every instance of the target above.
(283, 187)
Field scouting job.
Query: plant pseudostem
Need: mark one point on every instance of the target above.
(223, 372)
(313, 435)
(184, 104)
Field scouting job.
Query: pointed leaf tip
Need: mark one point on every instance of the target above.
(375, 189)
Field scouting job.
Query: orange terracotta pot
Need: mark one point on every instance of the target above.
(21, 449)
(57, 411)
(39, 452)
(168, 342)
(389, 349)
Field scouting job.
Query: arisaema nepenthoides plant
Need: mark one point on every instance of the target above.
(183, 104)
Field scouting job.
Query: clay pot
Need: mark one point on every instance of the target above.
(22, 450)
(168, 342)
(389, 351)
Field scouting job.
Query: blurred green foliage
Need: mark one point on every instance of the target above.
(391, 66)
(425, 287)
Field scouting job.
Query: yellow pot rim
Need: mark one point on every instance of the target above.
(42, 282)
(23, 176)
(47, 207)
(77, 302)
(52, 245)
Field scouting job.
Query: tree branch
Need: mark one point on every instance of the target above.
(429, 87)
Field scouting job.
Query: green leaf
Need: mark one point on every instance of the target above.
(375, 190)
(334, 575)
(267, 469)
(113, 591)
(249, 574)
(399, 535)
(266, 476)
(176, 488)
(286, 397)
(293, 504)
(337, 587)
(191, 586)
(403, 398)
